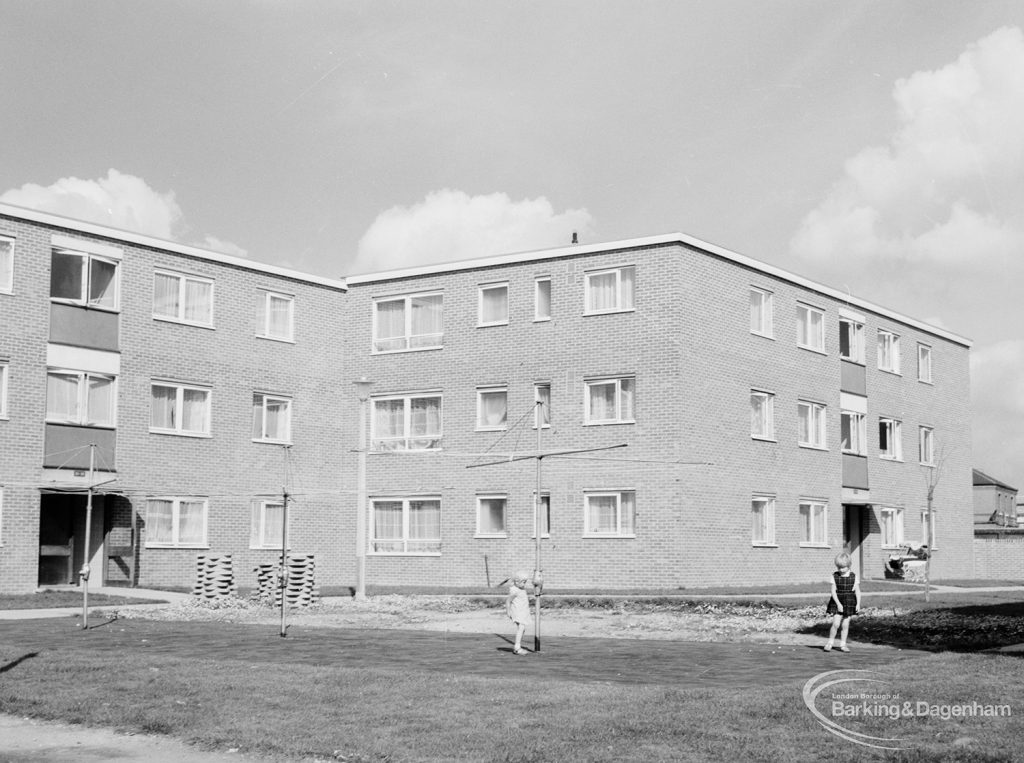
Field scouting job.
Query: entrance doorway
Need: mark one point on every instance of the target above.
(62, 538)
(853, 536)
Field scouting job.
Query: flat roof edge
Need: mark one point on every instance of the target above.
(106, 231)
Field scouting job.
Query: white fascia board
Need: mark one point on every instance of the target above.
(575, 250)
(46, 218)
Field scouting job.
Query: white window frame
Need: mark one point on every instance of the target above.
(184, 279)
(817, 425)
(482, 293)
(267, 397)
(888, 351)
(767, 505)
(176, 502)
(410, 342)
(895, 539)
(407, 439)
(935, 528)
(622, 530)
(815, 340)
(480, 503)
(404, 540)
(620, 416)
(762, 417)
(7, 244)
(542, 413)
(858, 432)
(926, 445)
(854, 330)
(538, 315)
(259, 528)
(762, 314)
(924, 363)
(1, 515)
(179, 407)
(5, 377)
(481, 392)
(894, 434)
(815, 507)
(83, 418)
(545, 508)
(625, 302)
(83, 299)
(267, 298)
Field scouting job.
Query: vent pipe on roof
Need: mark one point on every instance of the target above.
(575, 238)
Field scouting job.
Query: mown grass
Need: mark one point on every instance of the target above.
(294, 712)
(67, 598)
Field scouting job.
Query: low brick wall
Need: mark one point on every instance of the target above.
(999, 554)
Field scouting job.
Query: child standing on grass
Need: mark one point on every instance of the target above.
(518, 608)
(844, 602)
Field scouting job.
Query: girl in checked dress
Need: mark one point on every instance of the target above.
(518, 608)
(843, 603)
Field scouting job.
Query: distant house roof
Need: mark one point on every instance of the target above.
(982, 479)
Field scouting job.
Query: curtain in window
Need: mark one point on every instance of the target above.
(817, 523)
(601, 291)
(273, 514)
(424, 525)
(627, 513)
(759, 510)
(101, 401)
(602, 401)
(190, 523)
(163, 413)
(543, 307)
(66, 275)
(493, 408)
(626, 287)
(492, 516)
(543, 396)
(165, 295)
(804, 424)
(258, 430)
(279, 317)
(424, 422)
(626, 399)
(602, 510)
(494, 305)
(198, 302)
(277, 419)
(388, 424)
(390, 325)
(62, 396)
(759, 415)
(6, 265)
(757, 312)
(160, 522)
(195, 411)
(102, 283)
(805, 523)
(387, 526)
(426, 321)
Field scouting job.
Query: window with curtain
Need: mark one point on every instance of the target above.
(179, 409)
(853, 429)
(610, 514)
(83, 279)
(173, 522)
(762, 415)
(491, 408)
(813, 523)
(888, 351)
(924, 363)
(891, 521)
(267, 517)
(80, 397)
(609, 401)
(926, 445)
(890, 439)
(929, 521)
(810, 328)
(490, 516)
(542, 395)
(611, 290)
(493, 305)
(761, 312)
(545, 516)
(410, 322)
(811, 424)
(4, 375)
(851, 340)
(406, 525)
(6, 264)
(275, 315)
(271, 418)
(762, 511)
(183, 298)
(406, 422)
(542, 298)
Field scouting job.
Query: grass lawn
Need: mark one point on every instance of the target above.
(66, 598)
(292, 712)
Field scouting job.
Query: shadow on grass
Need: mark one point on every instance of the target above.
(966, 628)
(17, 661)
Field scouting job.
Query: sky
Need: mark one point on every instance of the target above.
(876, 147)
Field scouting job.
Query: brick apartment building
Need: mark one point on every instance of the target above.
(738, 424)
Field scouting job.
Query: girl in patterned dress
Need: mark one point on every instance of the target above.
(517, 606)
(843, 603)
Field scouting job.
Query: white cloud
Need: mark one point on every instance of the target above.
(450, 225)
(997, 391)
(118, 200)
